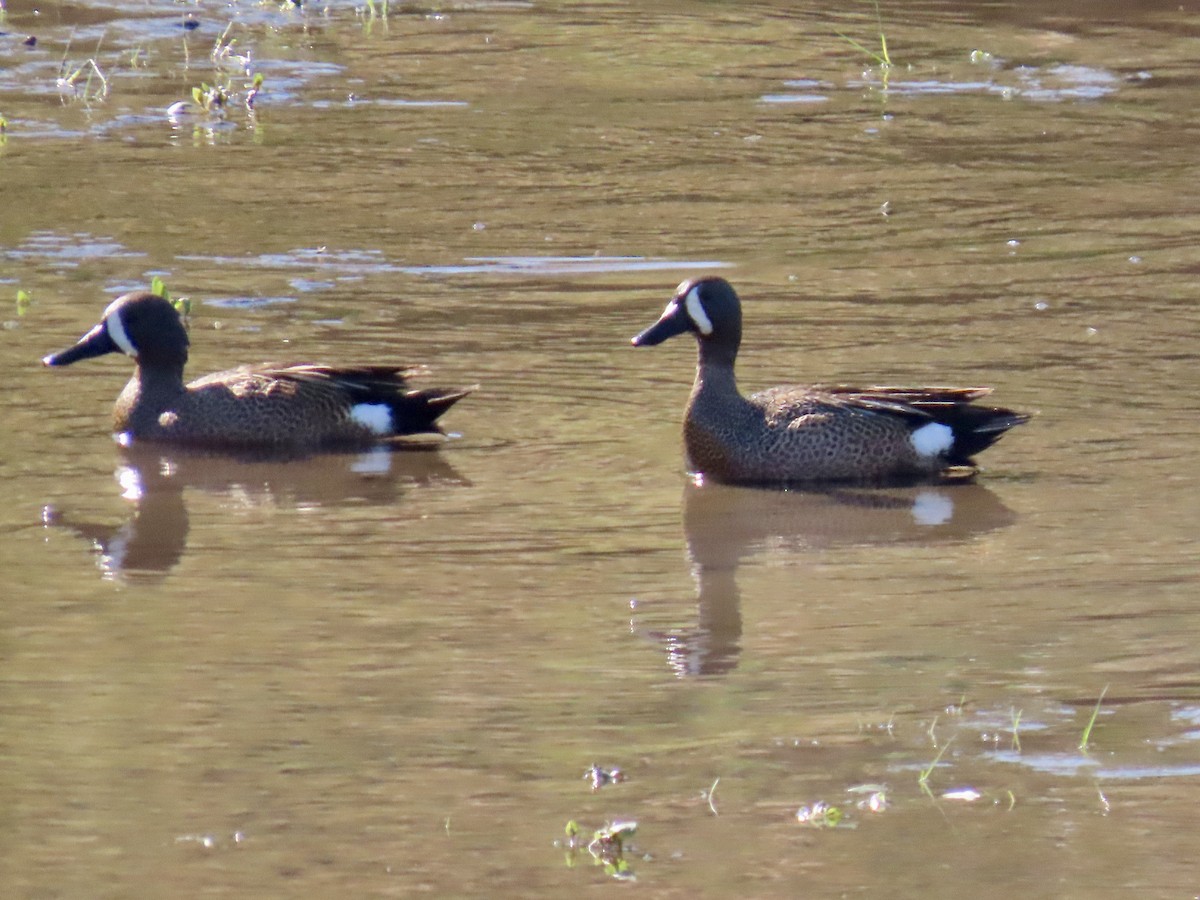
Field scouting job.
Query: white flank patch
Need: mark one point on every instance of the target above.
(116, 331)
(932, 439)
(695, 309)
(375, 417)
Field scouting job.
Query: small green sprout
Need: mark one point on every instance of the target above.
(882, 59)
(923, 778)
(1087, 731)
(608, 849)
(819, 815)
(613, 835)
(210, 98)
(255, 87)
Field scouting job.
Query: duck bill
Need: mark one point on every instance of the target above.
(672, 322)
(96, 342)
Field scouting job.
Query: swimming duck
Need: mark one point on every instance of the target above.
(302, 407)
(815, 433)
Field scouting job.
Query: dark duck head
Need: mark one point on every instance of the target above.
(141, 325)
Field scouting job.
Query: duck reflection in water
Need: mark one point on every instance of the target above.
(154, 480)
(724, 524)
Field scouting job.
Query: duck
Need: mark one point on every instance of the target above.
(301, 407)
(806, 434)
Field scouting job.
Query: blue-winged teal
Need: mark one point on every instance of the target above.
(276, 407)
(819, 432)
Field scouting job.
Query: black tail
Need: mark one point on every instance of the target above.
(975, 428)
(417, 411)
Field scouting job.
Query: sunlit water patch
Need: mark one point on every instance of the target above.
(1049, 84)
(356, 263)
(1189, 716)
(1069, 765)
(247, 302)
(68, 251)
(562, 265)
(803, 90)
(355, 100)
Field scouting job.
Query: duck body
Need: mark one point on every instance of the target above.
(816, 433)
(302, 407)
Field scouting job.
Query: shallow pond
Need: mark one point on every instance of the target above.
(388, 674)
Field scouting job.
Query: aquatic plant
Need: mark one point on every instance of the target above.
(708, 795)
(874, 797)
(94, 86)
(183, 305)
(211, 102)
(1087, 730)
(606, 848)
(159, 287)
(599, 776)
(923, 778)
(819, 815)
(882, 59)
(90, 91)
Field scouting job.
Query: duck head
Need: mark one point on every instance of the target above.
(709, 308)
(141, 325)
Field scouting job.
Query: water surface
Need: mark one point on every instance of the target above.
(383, 675)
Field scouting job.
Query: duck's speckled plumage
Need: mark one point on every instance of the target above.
(294, 407)
(812, 433)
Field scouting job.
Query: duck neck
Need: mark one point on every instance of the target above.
(151, 391)
(160, 380)
(714, 369)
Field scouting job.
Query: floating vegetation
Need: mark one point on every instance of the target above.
(819, 815)
(211, 99)
(607, 847)
(94, 87)
(210, 103)
(159, 288)
(183, 305)
(599, 776)
(875, 799)
(85, 82)
(24, 301)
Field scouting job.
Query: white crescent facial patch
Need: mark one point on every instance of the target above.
(116, 331)
(695, 309)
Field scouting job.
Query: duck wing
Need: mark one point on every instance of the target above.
(974, 427)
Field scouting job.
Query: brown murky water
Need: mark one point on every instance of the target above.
(384, 675)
